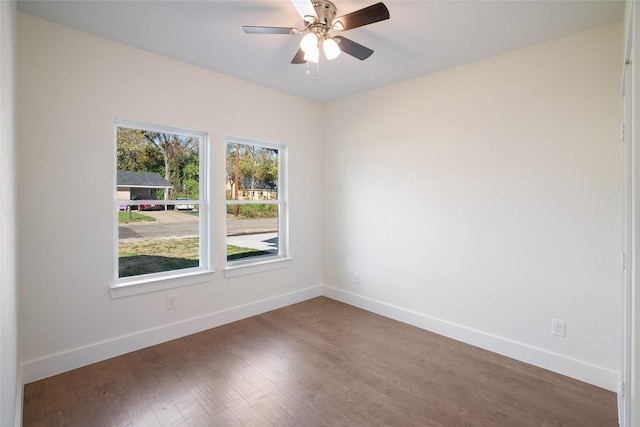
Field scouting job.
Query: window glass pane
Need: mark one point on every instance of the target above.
(158, 185)
(150, 256)
(157, 164)
(252, 172)
(253, 232)
(157, 241)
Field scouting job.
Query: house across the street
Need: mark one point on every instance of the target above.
(132, 184)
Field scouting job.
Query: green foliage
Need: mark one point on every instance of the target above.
(130, 143)
(150, 160)
(175, 157)
(254, 210)
(190, 174)
(256, 167)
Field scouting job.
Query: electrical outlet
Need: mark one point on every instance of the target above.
(558, 327)
(171, 302)
(356, 278)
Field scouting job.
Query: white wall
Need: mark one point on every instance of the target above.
(483, 201)
(71, 88)
(10, 380)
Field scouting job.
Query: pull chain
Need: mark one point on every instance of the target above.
(308, 71)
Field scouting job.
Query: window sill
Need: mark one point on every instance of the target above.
(137, 287)
(244, 268)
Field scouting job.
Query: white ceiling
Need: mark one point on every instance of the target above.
(421, 37)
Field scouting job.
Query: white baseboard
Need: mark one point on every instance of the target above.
(596, 375)
(38, 369)
(35, 370)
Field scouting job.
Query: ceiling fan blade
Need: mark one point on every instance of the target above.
(352, 48)
(368, 15)
(299, 58)
(267, 30)
(305, 8)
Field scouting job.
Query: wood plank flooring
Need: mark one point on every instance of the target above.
(317, 363)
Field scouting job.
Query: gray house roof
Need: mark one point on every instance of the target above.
(141, 179)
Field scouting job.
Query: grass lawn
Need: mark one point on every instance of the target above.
(236, 252)
(154, 256)
(131, 216)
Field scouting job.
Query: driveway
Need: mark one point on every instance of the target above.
(164, 217)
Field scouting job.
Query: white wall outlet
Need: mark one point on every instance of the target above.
(558, 327)
(356, 278)
(171, 302)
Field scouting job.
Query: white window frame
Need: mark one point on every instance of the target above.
(282, 259)
(134, 285)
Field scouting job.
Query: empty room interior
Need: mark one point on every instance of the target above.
(451, 229)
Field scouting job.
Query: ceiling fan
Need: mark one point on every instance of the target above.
(319, 19)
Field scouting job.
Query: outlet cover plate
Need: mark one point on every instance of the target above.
(558, 328)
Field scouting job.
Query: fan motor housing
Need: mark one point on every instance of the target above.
(325, 10)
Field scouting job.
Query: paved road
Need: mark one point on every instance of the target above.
(154, 230)
(237, 227)
(172, 224)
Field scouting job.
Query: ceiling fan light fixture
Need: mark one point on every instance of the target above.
(319, 20)
(309, 42)
(331, 48)
(313, 55)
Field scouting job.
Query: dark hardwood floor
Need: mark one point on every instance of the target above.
(317, 363)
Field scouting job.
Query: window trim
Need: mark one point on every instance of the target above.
(282, 259)
(133, 285)
(137, 287)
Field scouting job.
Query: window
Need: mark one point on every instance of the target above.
(160, 203)
(256, 202)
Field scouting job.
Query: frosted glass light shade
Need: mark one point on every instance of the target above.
(309, 42)
(312, 55)
(331, 49)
